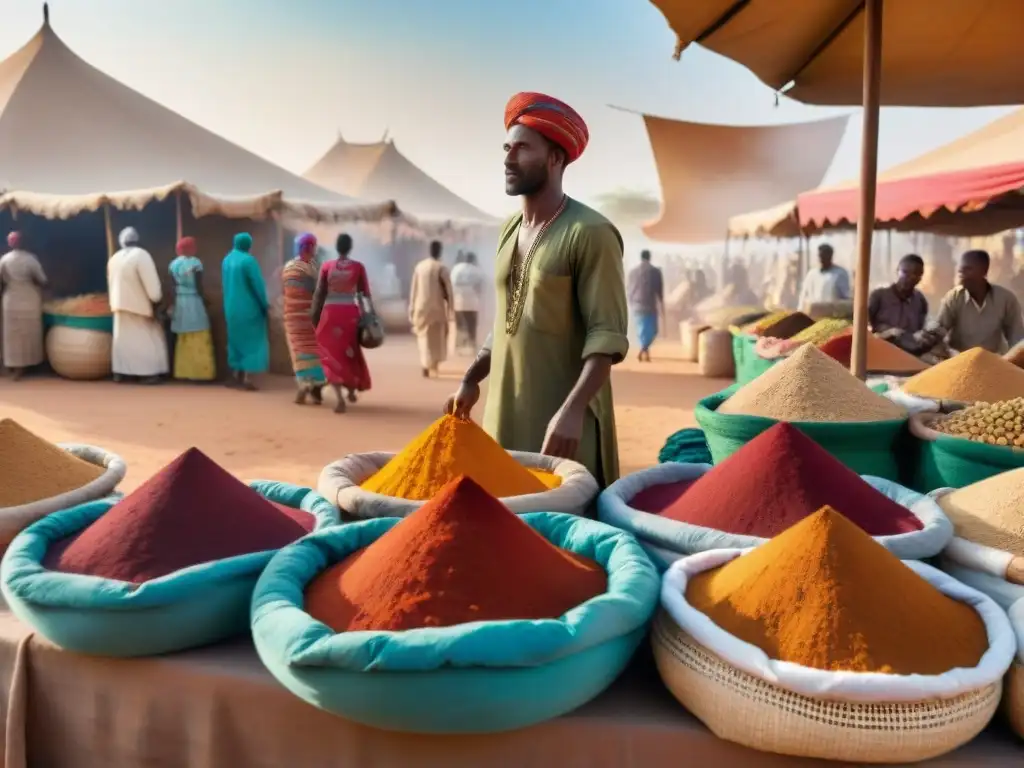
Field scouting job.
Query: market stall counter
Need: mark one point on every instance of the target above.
(217, 707)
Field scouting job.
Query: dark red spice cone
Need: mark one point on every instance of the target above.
(190, 512)
(779, 478)
(462, 557)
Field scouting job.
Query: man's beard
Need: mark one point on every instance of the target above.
(526, 182)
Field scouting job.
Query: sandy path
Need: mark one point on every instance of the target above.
(264, 435)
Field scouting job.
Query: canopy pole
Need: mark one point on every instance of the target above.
(180, 228)
(109, 226)
(281, 255)
(868, 178)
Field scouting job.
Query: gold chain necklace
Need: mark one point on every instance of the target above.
(519, 275)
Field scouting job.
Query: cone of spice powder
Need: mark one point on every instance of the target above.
(976, 375)
(883, 357)
(191, 512)
(32, 469)
(825, 595)
(778, 479)
(448, 449)
(990, 511)
(460, 558)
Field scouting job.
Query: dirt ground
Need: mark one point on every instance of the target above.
(264, 435)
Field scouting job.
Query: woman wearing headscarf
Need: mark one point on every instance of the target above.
(139, 343)
(190, 323)
(299, 282)
(245, 312)
(341, 291)
(21, 286)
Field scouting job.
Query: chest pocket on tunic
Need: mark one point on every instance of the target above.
(549, 303)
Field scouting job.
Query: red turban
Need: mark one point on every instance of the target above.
(186, 246)
(551, 118)
(14, 240)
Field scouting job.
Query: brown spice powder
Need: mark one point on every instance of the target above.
(33, 469)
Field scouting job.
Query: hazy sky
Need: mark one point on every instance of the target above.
(282, 77)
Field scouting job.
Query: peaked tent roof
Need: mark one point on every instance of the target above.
(709, 173)
(66, 128)
(380, 171)
(972, 185)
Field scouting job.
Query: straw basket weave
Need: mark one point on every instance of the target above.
(746, 697)
(79, 353)
(741, 708)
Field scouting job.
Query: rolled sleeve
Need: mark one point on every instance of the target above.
(601, 292)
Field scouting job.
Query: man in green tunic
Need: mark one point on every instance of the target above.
(561, 320)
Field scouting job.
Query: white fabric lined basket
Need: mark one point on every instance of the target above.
(979, 557)
(672, 539)
(339, 483)
(14, 519)
(746, 697)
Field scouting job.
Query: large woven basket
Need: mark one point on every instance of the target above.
(79, 353)
(744, 696)
(743, 709)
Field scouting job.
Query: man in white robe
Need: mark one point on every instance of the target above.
(140, 344)
(430, 310)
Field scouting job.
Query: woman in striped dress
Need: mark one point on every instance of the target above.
(299, 278)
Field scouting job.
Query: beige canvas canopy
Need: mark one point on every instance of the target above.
(379, 171)
(778, 221)
(710, 173)
(73, 139)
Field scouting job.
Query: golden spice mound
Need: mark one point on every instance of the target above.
(32, 469)
(976, 375)
(810, 386)
(990, 511)
(822, 331)
(995, 424)
(824, 594)
(86, 305)
(448, 449)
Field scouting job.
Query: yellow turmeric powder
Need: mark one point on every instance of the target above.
(451, 447)
(824, 594)
(550, 479)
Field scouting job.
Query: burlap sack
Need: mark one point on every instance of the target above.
(339, 483)
(14, 519)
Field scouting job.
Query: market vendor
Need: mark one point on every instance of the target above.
(827, 284)
(898, 312)
(22, 280)
(977, 313)
(562, 315)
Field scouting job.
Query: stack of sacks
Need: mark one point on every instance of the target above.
(370, 485)
(823, 399)
(38, 477)
(460, 618)
(771, 483)
(820, 643)
(171, 566)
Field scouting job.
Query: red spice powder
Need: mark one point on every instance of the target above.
(658, 498)
(882, 356)
(779, 478)
(462, 557)
(300, 516)
(191, 512)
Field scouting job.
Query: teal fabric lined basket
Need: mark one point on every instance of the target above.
(104, 323)
(202, 604)
(481, 677)
(749, 364)
(868, 448)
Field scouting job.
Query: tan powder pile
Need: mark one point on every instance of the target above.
(976, 375)
(32, 469)
(990, 512)
(810, 386)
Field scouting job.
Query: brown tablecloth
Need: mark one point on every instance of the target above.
(218, 708)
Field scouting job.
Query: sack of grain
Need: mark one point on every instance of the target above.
(747, 697)
(676, 539)
(714, 354)
(480, 677)
(868, 448)
(195, 606)
(689, 332)
(339, 482)
(15, 519)
(946, 461)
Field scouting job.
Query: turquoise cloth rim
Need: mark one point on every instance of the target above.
(103, 323)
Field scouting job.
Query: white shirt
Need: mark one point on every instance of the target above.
(133, 282)
(468, 286)
(824, 287)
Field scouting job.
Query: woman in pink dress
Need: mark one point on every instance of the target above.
(342, 295)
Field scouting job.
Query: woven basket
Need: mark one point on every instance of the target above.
(1014, 698)
(744, 696)
(79, 353)
(741, 708)
(946, 461)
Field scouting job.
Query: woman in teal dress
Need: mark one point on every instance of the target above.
(190, 324)
(245, 311)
